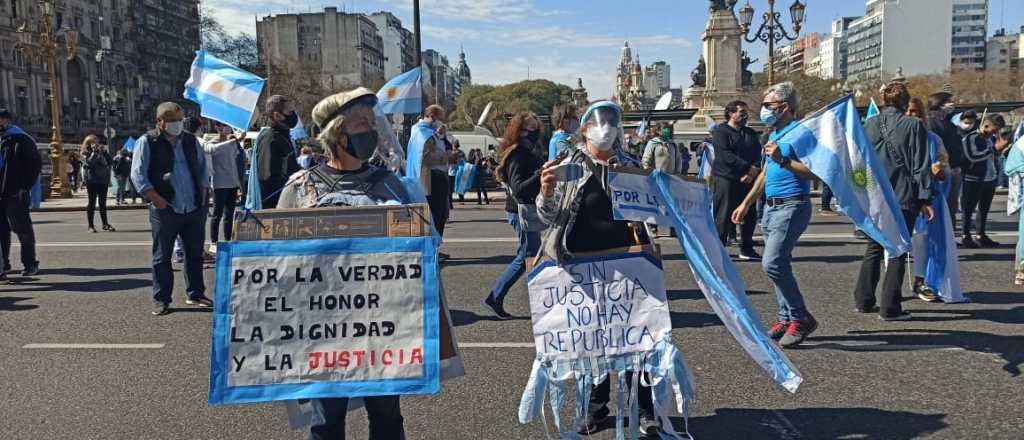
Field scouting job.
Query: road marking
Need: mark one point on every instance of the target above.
(874, 346)
(94, 346)
(497, 345)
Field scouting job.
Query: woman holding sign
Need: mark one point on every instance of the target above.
(574, 202)
(350, 138)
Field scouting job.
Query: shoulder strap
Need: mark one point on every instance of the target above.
(895, 153)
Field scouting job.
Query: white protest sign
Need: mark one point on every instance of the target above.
(294, 322)
(634, 199)
(601, 307)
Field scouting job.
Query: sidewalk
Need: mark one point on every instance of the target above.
(80, 200)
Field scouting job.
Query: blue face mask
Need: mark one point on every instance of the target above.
(769, 116)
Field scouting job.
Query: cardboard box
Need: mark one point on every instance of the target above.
(356, 221)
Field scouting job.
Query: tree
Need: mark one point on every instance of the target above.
(537, 96)
(240, 49)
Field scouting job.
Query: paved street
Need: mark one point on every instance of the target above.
(951, 373)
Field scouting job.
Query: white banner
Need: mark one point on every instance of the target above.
(599, 307)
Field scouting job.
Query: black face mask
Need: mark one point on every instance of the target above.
(291, 120)
(532, 136)
(362, 145)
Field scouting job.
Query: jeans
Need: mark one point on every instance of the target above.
(977, 195)
(870, 271)
(168, 225)
(826, 197)
(224, 201)
(122, 188)
(97, 196)
(384, 413)
(783, 224)
(14, 217)
(529, 244)
(728, 194)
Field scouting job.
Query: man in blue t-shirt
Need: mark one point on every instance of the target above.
(786, 184)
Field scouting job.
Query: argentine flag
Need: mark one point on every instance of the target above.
(224, 92)
(872, 110)
(833, 145)
(403, 94)
(707, 158)
(464, 174)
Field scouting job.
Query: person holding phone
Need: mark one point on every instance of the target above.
(574, 202)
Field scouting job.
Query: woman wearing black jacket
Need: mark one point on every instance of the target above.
(97, 180)
(519, 163)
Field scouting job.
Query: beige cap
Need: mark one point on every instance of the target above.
(332, 106)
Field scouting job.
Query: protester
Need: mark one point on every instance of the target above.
(787, 213)
(350, 139)
(579, 215)
(940, 107)
(476, 157)
(519, 163)
(274, 148)
(661, 153)
(19, 170)
(97, 180)
(565, 122)
(306, 160)
(826, 201)
(169, 169)
(940, 173)
(979, 178)
(122, 172)
(902, 145)
(434, 174)
(74, 171)
(456, 157)
(736, 165)
(1015, 200)
(227, 162)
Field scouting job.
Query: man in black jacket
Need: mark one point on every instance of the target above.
(20, 165)
(736, 165)
(902, 144)
(276, 151)
(940, 105)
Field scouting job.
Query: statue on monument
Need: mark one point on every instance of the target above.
(722, 5)
(748, 76)
(699, 75)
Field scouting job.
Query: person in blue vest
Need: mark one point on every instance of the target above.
(169, 170)
(786, 183)
(20, 165)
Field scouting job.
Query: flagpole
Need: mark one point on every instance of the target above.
(419, 44)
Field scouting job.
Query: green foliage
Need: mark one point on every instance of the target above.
(537, 96)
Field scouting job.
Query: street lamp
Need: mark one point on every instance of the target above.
(46, 45)
(772, 29)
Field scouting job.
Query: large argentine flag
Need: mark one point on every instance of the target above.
(224, 92)
(403, 94)
(464, 174)
(833, 145)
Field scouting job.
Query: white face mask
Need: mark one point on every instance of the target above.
(602, 136)
(174, 128)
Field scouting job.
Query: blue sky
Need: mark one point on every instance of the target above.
(565, 39)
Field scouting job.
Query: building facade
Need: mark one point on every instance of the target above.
(342, 50)
(830, 62)
(970, 29)
(658, 78)
(1005, 52)
(800, 57)
(889, 36)
(148, 49)
(398, 45)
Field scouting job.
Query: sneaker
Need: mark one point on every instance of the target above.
(750, 255)
(778, 329)
(987, 242)
(649, 426)
(903, 316)
(925, 293)
(797, 331)
(161, 309)
(828, 212)
(873, 309)
(969, 243)
(30, 271)
(497, 308)
(200, 301)
(590, 424)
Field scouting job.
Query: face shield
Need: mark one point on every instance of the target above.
(602, 125)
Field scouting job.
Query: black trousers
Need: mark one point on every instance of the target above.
(384, 413)
(270, 191)
(977, 196)
(481, 195)
(728, 194)
(870, 272)
(600, 396)
(97, 196)
(224, 201)
(14, 217)
(826, 197)
(439, 199)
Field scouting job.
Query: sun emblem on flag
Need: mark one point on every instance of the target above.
(392, 93)
(860, 178)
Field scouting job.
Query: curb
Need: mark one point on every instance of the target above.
(84, 208)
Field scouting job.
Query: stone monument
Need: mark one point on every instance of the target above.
(722, 64)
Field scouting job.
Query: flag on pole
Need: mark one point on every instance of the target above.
(872, 110)
(707, 157)
(224, 92)
(833, 145)
(403, 94)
